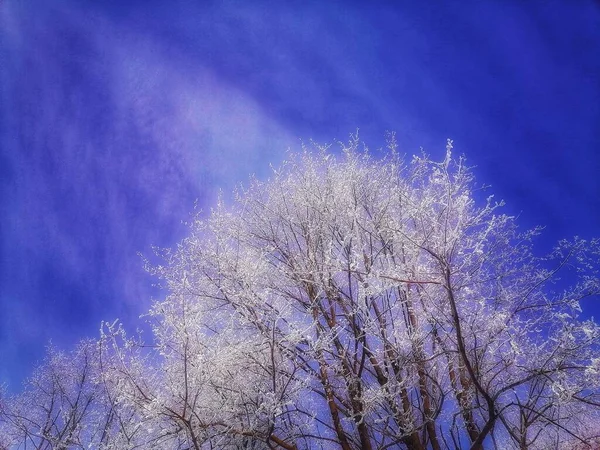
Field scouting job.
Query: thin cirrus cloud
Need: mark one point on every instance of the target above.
(117, 116)
(112, 137)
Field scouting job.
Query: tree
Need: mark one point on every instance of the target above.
(361, 304)
(67, 404)
(59, 406)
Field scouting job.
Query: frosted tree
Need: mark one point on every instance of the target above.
(354, 303)
(61, 404)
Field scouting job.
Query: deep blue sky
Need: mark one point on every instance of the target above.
(116, 116)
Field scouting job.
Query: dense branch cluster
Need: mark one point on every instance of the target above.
(347, 303)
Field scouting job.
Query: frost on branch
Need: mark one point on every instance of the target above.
(360, 304)
(61, 405)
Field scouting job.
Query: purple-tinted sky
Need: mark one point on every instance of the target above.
(115, 116)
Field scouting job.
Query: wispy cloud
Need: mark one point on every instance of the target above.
(112, 137)
(116, 116)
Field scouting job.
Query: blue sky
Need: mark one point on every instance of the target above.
(116, 116)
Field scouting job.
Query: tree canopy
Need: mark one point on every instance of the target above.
(346, 303)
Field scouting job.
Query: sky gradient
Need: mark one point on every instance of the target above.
(117, 116)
